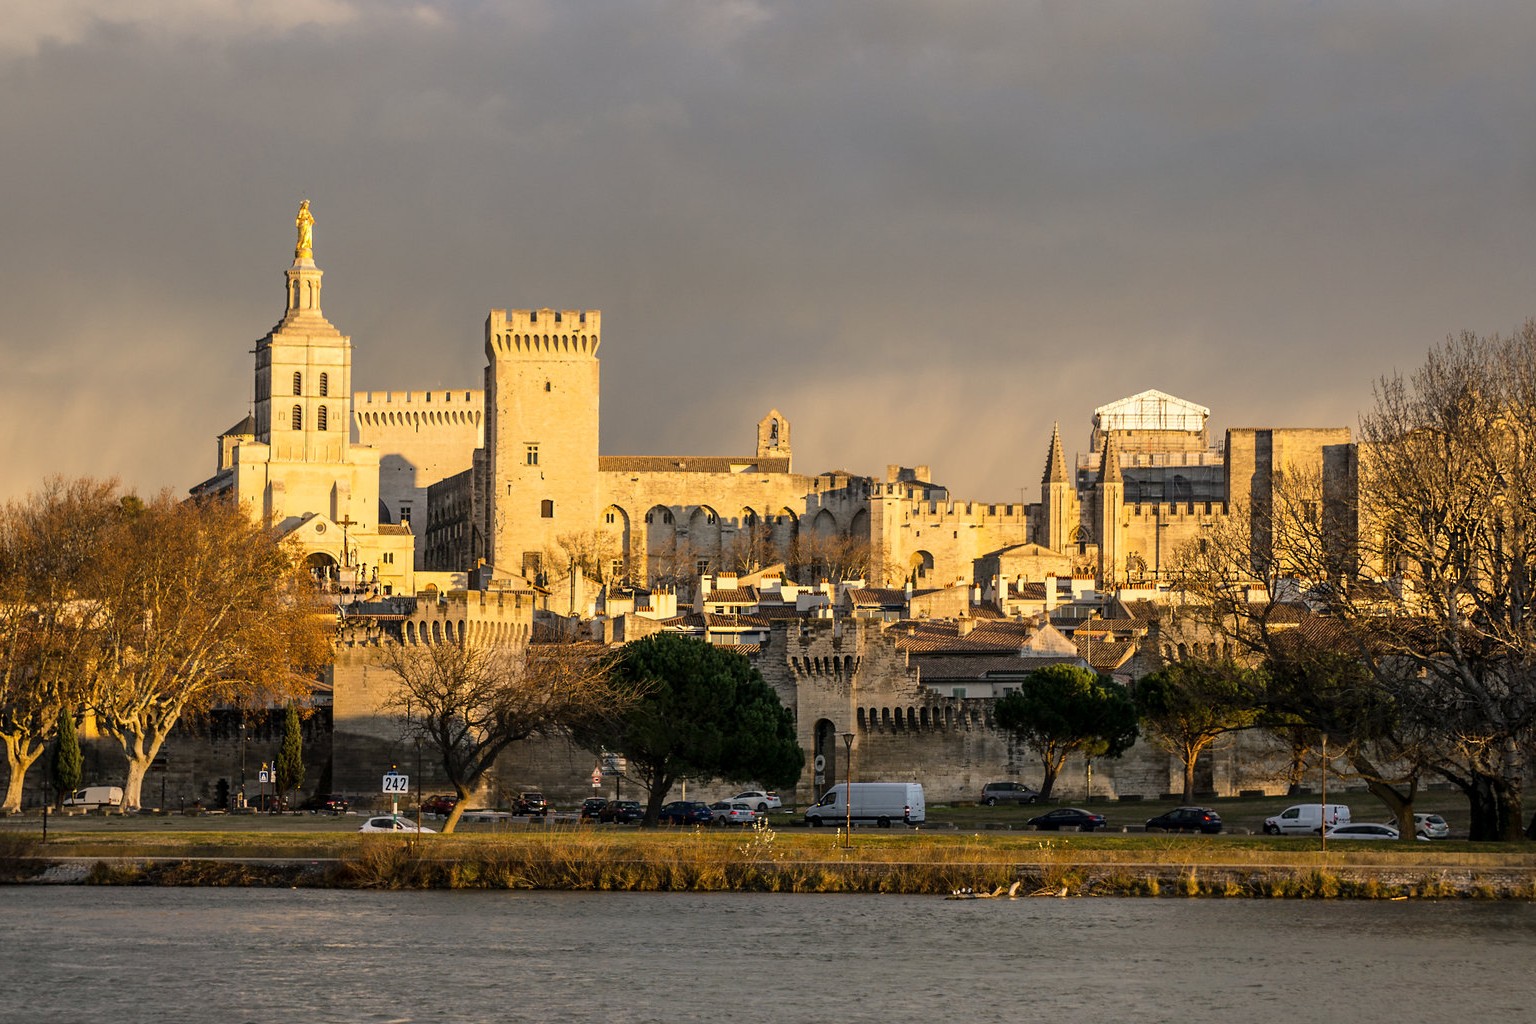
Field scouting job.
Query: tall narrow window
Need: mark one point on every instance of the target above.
(547, 509)
(320, 419)
(298, 417)
(325, 385)
(532, 454)
(298, 382)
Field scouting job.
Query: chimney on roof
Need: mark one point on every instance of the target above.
(964, 625)
(1050, 592)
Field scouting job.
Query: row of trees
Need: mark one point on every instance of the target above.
(1062, 710)
(677, 708)
(138, 614)
(1416, 656)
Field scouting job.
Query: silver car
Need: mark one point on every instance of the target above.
(390, 823)
(1428, 826)
(733, 812)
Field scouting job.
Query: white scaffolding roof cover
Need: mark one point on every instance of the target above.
(1151, 410)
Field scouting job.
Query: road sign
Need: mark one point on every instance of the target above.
(394, 782)
(613, 764)
(263, 776)
(597, 777)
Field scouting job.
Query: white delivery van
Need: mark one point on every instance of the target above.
(879, 802)
(92, 797)
(1306, 819)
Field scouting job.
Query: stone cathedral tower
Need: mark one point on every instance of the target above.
(292, 462)
(541, 421)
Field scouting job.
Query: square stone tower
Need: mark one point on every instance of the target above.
(541, 427)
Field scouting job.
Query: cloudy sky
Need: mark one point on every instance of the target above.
(923, 231)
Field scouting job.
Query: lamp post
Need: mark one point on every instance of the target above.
(242, 760)
(848, 791)
(1323, 818)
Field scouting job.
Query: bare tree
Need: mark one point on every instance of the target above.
(197, 605)
(470, 703)
(1424, 559)
(1448, 525)
(48, 544)
(589, 552)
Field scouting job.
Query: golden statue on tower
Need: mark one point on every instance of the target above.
(305, 222)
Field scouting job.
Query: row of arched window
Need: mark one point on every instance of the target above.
(914, 719)
(447, 631)
(417, 417)
(549, 342)
(298, 384)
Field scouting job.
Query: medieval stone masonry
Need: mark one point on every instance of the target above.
(879, 605)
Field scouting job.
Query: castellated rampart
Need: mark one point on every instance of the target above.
(543, 333)
(367, 734)
(424, 437)
(846, 675)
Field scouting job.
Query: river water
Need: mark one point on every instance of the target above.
(134, 956)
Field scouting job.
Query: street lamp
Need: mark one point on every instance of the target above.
(242, 759)
(848, 793)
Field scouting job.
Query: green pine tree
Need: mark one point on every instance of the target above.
(68, 762)
(290, 759)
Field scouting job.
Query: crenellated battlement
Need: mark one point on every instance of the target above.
(413, 410)
(543, 333)
(1177, 511)
(963, 512)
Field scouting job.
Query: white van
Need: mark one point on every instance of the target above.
(92, 797)
(879, 802)
(1306, 819)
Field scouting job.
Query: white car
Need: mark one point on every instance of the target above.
(733, 812)
(1363, 830)
(1428, 826)
(390, 823)
(761, 800)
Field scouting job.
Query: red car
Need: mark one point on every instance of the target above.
(441, 805)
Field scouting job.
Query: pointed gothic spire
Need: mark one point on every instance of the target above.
(1109, 465)
(1055, 465)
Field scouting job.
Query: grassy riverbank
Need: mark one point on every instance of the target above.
(799, 861)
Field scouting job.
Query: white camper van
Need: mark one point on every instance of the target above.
(92, 797)
(1306, 819)
(879, 802)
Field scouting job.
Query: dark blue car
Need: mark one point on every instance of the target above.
(1068, 817)
(686, 812)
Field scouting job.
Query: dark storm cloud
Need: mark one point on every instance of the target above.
(924, 232)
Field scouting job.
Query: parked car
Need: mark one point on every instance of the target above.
(1068, 817)
(1186, 819)
(442, 804)
(761, 800)
(733, 812)
(686, 812)
(591, 806)
(390, 823)
(621, 812)
(531, 803)
(1304, 819)
(330, 803)
(93, 797)
(994, 793)
(1362, 830)
(1428, 826)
